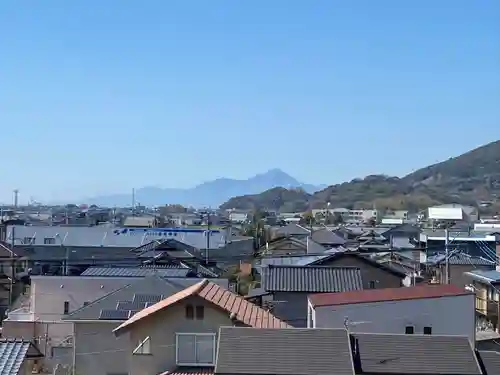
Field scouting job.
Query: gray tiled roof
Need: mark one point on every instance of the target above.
(135, 271)
(416, 354)
(327, 237)
(12, 355)
(491, 361)
(312, 279)
(461, 259)
(283, 351)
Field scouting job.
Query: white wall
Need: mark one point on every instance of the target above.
(446, 315)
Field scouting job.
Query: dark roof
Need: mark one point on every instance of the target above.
(13, 353)
(416, 354)
(460, 259)
(292, 230)
(387, 294)
(283, 351)
(75, 253)
(327, 237)
(149, 285)
(491, 361)
(362, 258)
(136, 271)
(313, 279)
(190, 371)
(234, 304)
(402, 230)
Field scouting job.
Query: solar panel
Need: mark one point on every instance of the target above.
(130, 305)
(151, 298)
(114, 315)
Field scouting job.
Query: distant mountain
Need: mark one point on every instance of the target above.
(472, 178)
(208, 194)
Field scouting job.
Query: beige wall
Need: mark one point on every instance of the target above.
(162, 327)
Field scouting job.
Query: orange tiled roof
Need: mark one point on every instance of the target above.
(234, 304)
(386, 294)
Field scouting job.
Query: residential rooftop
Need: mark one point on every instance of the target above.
(386, 294)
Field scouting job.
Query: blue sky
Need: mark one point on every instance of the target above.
(102, 96)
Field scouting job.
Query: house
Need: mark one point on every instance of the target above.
(291, 246)
(373, 274)
(283, 351)
(486, 286)
(93, 324)
(18, 357)
(285, 288)
(181, 330)
(427, 309)
(292, 230)
(459, 264)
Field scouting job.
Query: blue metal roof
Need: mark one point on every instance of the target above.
(12, 355)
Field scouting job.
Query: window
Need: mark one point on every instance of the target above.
(200, 312)
(409, 330)
(189, 312)
(66, 307)
(28, 240)
(49, 241)
(372, 284)
(195, 349)
(144, 347)
(427, 330)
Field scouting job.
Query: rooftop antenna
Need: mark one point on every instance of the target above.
(16, 198)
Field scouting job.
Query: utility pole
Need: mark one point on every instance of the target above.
(447, 254)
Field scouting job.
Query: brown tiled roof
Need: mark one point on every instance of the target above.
(386, 294)
(242, 310)
(190, 371)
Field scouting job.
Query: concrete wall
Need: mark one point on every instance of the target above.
(446, 315)
(97, 351)
(49, 293)
(162, 330)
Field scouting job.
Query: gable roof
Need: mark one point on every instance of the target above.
(13, 353)
(283, 351)
(292, 230)
(415, 354)
(243, 311)
(290, 260)
(387, 294)
(490, 361)
(152, 285)
(325, 236)
(460, 259)
(313, 279)
(362, 258)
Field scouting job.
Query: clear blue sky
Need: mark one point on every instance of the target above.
(102, 96)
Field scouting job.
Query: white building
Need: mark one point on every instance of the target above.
(426, 309)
